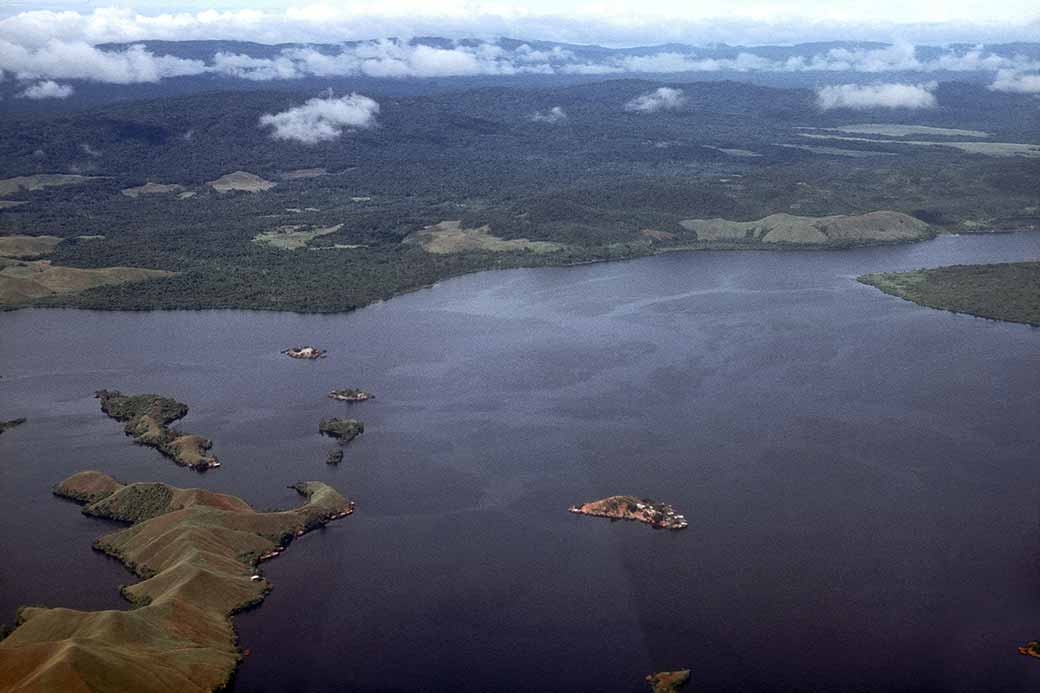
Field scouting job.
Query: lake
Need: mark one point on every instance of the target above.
(861, 475)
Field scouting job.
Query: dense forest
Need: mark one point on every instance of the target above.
(592, 181)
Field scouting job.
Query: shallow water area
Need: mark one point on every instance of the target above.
(859, 474)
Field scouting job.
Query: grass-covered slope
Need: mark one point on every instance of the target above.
(1008, 291)
(196, 551)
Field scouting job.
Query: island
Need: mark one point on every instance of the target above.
(307, 353)
(657, 515)
(344, 429)
(1031, 649)
(1007, 291)
(350, 394)
(4, 425)
(334, 456)
(196, 553)
(147, 420)
(668, 681)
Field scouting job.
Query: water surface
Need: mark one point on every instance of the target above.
(860, 475)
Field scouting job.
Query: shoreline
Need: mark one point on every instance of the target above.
(652, 252)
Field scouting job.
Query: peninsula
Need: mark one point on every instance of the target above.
(657, 515)
(147, 419)
(196, 553)
(1008, 291)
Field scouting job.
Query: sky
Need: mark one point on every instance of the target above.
(613, 23)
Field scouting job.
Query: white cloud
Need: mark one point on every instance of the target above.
(625, 22)
(322, 119)
(882, 95)
(553, 115)
(663, 99)
(79, 60)
(47, 89)
(1015, 82)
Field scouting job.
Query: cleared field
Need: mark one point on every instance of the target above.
(25, 281)
(1000, 149)
(449, 237)
(293, 237)
(897, 130)
(745, 153)
(10, 186)
(240, 180)
(27, 246)
(153, 189)
(873, 227)
(195, 552)
(1008, 291)
(304, 173)
(836, 151)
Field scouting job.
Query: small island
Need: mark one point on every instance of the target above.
(307, 353)
(350, 394)
(147, 420)
(657, 515)
(334, 456)
(4, 425)
(1030, 649)
(196, 553)
(344, 429)
(668, 681)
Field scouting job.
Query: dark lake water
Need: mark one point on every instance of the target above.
(861, 475)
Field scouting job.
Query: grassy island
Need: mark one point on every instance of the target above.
(196, 553)
(1009, 291)
(147, 419)
(657, 515)
(344, 429)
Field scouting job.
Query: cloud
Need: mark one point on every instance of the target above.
(663, 99)
(553, 115)
(322, 119)
(47, 89)
(1015, 82)
(881, 95)
(739, 22)
(61, 60)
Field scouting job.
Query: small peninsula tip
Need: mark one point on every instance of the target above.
(668, 681)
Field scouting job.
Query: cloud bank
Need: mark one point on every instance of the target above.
(622, 23)
(884, 95)
(33, 56)
(322, 119)
(663, 99)
(47, 89)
